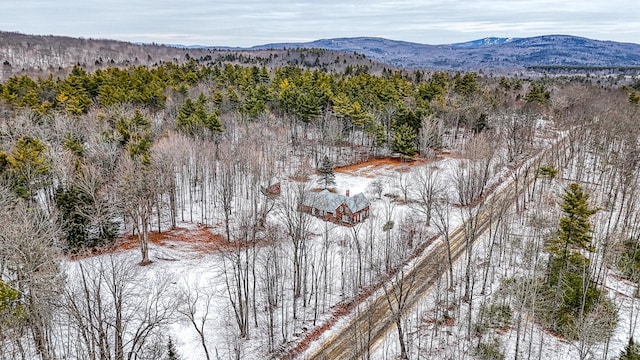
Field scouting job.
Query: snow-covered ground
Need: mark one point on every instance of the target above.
(190, 270)
(339, 260)
(513, 250)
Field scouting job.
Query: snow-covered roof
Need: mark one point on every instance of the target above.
(329, 202)
(357, 202)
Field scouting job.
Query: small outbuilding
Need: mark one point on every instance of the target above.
(271, 191)
(340, 209)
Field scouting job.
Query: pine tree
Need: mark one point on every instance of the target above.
(193, 118)
(288, 96)
(70, 202)
(575, 228)
(136, 136)
(184, 120)
(327, 178)
(538, 94)
(467, 84)
(569, 278)
(308, 106)
(480, 124)
(213, 124)
(404, 142)
(12, 310)
(172, 352)
(217, 98)
(631, 351)
(253, 105)
(30, 166)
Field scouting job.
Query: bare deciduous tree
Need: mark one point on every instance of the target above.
(430, 137)
(402, 181)
(376, 187)
(397, 293)
(137, 189)
(29, 263)
(297, 225)
(427, 188)
(195, 302)
(114, 311)
(442, 221)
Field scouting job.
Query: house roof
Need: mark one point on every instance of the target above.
(329, 202)
(357, 202)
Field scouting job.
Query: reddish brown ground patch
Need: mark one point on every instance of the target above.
(379, 163)
(333, 190)
(386, 162)
(199, 240)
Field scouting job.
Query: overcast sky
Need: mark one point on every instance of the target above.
(254, 22)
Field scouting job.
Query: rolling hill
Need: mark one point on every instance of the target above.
(488, 53)
(41, 55)
(20, 52)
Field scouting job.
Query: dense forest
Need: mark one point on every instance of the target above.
(91, 154)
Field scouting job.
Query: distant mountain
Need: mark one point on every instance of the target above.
(48, 54)
(483, 42)
(488, 53)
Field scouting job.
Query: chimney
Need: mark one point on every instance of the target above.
(347, 193)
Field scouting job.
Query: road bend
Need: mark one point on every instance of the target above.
(374, 318)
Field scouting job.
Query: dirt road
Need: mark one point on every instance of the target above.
(374, 318)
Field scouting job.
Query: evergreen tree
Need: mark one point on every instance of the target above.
(308, 106)
(29, 165)
(253, 105)
(410, 117)
(404, 142)
(70, 202)
(575, 229)
(288, 96)
(538, 94)
(201, 109)
(82, 227)
(12, 310)
(74, 145)
(631, 351)
(327, 178)
(217, 98)
(184, 119)
(435, 88)
(480, 124)
(136, 136)
(194, 120)
(467, 84)
(172, 352)
(212, 124)
(234, 99)
(629, 262)
(569, 283)
(634, 97)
